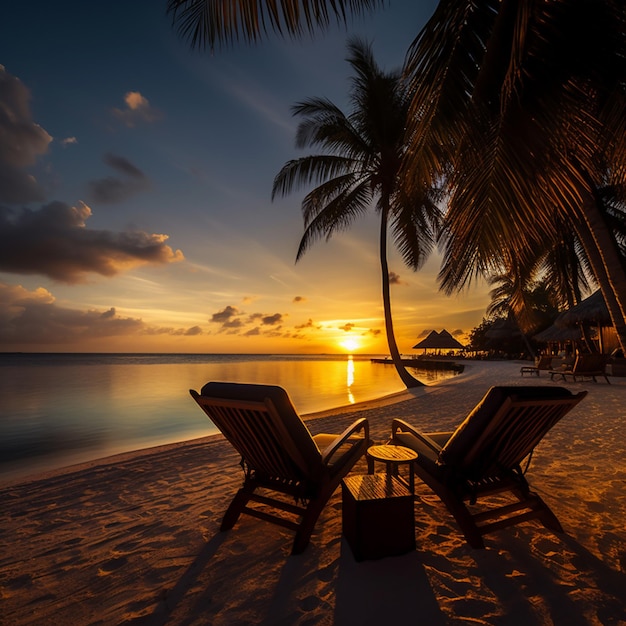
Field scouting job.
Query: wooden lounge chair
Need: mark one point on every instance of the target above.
(483, 457)
(279, 456)
(585, 366)
(544, 362)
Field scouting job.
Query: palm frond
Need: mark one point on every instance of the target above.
(566, 269)
(414, 225)
(336, 215)
(305, 171)
(215, 23)
(325, 193)
(325, 125)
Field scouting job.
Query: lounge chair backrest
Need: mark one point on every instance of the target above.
(595, 362)
(262, 424)
(504, 428)
(544, 362)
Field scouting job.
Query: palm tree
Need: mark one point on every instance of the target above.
(523, 302)
(359, 169)
(519, 106)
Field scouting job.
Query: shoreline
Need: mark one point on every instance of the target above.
(135, 540)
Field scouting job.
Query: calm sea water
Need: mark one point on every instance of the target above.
(60, 409)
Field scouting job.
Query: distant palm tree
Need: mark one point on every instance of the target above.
(555, 259)
(521, 300)
(359, 170)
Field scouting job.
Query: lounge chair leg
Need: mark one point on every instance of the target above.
(467, 525)
(463, 517)
(309, 519)
(547, 517)
(235, 508)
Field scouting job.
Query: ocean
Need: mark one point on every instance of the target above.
(61, 409)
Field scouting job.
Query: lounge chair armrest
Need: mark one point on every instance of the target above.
(354, 428)
(401, 425)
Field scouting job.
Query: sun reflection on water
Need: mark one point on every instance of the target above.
(350, 378)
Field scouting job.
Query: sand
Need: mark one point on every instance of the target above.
(134, 539)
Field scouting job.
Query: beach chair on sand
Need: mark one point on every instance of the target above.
(585, 366)
(483, 457)
(296, 472)
(544, 362)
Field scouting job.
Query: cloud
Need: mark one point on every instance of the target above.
(21, 143)
(299, 299)
(138, 109)
(265, 319)
(55, 242)
(272, 320)
(112, 189)
(225, 315)
(233, 324)
(34, 318)
(230, 318)
(347, 327)
(124, 166)
(308, 324)
(68, 140)
(394, 279)
(174, 332)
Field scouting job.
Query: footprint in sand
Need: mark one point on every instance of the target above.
(112, 565)
(310, 603)
(19, 582)
(326, 574)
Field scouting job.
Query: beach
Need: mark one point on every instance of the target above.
(134, 538)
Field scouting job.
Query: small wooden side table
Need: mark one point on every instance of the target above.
(394, 456)
(378, 516)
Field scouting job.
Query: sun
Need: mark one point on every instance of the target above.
(349, 344)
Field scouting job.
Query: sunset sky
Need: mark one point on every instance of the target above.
(135, 182)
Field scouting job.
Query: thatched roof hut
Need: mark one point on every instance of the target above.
(503, 329)
(556, 334)
(591, 311)
(439, 341)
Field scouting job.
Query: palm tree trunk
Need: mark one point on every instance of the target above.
(608, 266)
(406, 378)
